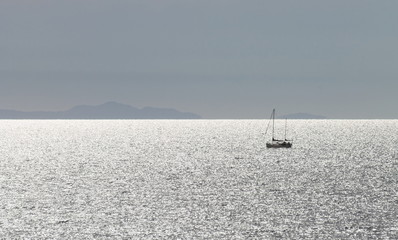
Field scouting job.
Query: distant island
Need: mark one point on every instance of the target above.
(109, 110)
(302, 116)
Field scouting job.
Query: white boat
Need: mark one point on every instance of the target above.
(277, 143)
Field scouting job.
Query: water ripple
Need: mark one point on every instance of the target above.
(201, 179)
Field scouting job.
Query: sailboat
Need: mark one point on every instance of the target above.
(275, 143)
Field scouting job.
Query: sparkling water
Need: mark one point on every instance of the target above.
(198, 179)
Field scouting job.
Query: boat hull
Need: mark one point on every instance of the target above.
(279, 145)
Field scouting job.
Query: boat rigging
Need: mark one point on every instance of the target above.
(277, 143)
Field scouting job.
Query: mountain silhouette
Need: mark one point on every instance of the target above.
(109, 110)
(302, 116)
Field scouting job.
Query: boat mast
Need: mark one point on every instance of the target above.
(285, 127)
(273, 123)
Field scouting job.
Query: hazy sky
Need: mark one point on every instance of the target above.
(217, 58)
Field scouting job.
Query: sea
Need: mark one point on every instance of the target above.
(198, 179)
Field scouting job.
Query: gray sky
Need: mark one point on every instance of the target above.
(217, 58)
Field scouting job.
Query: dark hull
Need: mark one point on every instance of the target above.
(279, 145)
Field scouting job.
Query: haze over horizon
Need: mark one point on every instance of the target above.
(219, 59)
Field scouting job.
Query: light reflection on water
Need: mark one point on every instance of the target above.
(198, 179)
